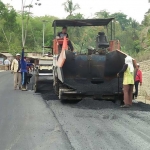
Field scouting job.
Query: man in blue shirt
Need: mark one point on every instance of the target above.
(24, 71)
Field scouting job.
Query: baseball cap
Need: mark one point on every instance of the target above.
(17, 54)
(138, 64)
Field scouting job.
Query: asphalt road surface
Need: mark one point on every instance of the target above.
(26, 123)
(31, 121)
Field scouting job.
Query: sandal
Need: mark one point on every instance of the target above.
(125, 106)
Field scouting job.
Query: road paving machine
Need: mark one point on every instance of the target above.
(93, 74)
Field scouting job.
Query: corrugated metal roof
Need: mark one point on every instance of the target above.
(7, 54)
(82, 22)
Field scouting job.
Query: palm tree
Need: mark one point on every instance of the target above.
(70, 7)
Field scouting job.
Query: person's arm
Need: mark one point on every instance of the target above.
(12, 66)
(58, 34)
(22, 55)
(29, 64)
(67, 36)
(140, 77)
(122, 70)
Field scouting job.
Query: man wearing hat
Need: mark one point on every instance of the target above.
(16, 70)
(138, 79)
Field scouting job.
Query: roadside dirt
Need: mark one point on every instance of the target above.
(144, 90)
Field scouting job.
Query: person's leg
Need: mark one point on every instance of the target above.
(5, 67)
(15, 80)
(19, 80)
(126, 94)
(130, 93)
(22, 80)
(25, 80)
(136, 88)
(70, 45)
(28, 78)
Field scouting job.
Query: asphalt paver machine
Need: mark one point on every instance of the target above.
(93, 74)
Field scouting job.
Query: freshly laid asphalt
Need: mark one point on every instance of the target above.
(26, 122)
(30, 121)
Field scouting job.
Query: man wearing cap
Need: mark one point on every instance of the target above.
(138, 79)
(16, 70)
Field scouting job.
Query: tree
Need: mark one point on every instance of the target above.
(122, 19)
(102, 14)
(70, 7)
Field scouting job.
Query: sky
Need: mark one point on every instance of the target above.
(133, 8)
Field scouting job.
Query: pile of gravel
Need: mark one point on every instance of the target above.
(95, 104)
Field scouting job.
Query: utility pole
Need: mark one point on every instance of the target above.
(43, 33)
(24, 27)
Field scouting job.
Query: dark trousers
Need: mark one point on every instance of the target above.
(136, 88)
(24, 78)
(28, 77)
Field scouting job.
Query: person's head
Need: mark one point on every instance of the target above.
(17, 56)
(138, 65)
(25, 59)
(64, 29)
(128, 60)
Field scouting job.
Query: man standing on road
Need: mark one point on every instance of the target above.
(7, 64)
(138, 79)
(16, 69)
(24, 71)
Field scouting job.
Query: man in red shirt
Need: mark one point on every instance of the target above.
(138, 79)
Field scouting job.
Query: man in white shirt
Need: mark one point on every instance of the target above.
(16, 70)
(7, 64)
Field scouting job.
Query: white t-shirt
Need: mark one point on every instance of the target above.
(7, 62)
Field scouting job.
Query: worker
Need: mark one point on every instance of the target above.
(63, 34)
(29, 69)
(138, 79)
(128, 81)
(24, 71)
(7, 64)
(16, 70)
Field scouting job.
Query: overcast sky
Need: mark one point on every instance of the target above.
(133, 8)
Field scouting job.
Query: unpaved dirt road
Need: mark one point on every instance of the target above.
(31, 121)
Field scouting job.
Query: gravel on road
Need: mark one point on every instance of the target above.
(102, 125)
